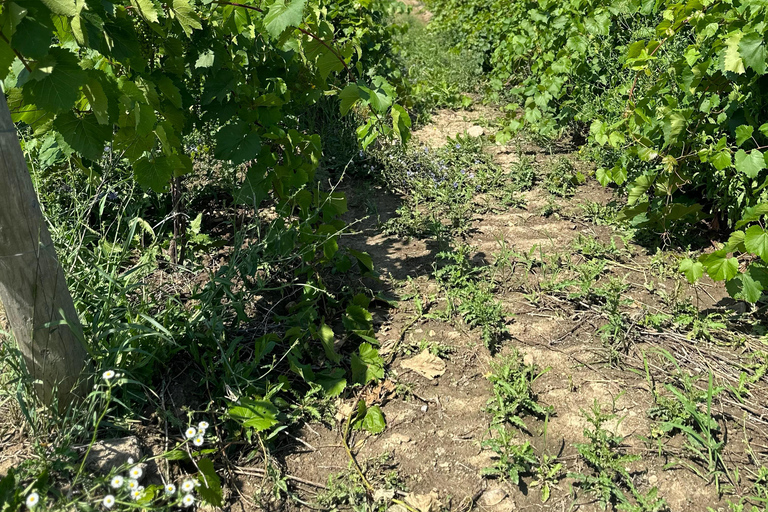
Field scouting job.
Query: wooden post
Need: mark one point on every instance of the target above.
(32, 285)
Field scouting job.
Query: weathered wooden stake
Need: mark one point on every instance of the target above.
(32, 285)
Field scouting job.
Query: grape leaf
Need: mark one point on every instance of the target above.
(63, 7)
(731, 59)
(719, 266)
(55, 83)
(238, 143)
(750, 164)
(154, 174)
(744, 287)
(756, 241)
(186, 16)
(147, 9)
(743, 133)
(753, 52)
(282, 16)
(752, 214)
(693, 270)
(84, 134)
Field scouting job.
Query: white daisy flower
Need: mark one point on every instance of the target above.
(190, 433)
(136, 473)
(170, 489)
(136, 494)
(188, 486)
(108, 374)
(109, 501)
(203, 426)
(187, 500)
(130, 460)
(117, 482)
(133, 484)
(198, 441)
(33, 499)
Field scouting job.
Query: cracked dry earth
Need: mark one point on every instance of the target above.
(435, 431)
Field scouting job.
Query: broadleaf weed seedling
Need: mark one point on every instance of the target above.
(513, 396)
(610, 475)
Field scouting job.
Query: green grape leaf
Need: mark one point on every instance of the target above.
(282, 16)
(731, 58)
(744, 287)
(743, 133)
(373, 421)
(752, 214)
(210, 484)
(63, 7)
(98, 100)
(719, 266)
(147, 9)
(329, 63)
(749, 163)
(693, 270)
(349, 96)
(55, 82)
(153, 174)
(367, 366)
(83, 133)
(756, 241)
(186, 16)
(753, 52)
(170, 91)
(33, 37)
(722, 160)
(238, 143)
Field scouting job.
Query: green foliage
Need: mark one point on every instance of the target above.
(610, 474)
(512, 381)
(471, 295)
(440, 186)
(513, 459)
(563, 178)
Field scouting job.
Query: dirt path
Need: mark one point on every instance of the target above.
(436, 428)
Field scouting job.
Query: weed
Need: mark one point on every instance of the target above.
(689, 410)
(610, 475)
(591, 247)
(548, 473)
(563, 178)
(513, 459)
(470, 294)
(523, 173)
(600, 214)
(513, 396)
(346, 490)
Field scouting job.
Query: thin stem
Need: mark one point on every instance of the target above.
(26, 65)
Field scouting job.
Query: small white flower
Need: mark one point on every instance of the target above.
(108, 374)
(198, 441)
(190, 433)
(136, 494)
(32, 500)
(203, 426)
(130, 460)
(117, 482)
(170, 489)
(133, 484)
(187, 500)
(188, 486)
(136, 473)
(109, 501)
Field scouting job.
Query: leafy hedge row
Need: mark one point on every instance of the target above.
(672, 93)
